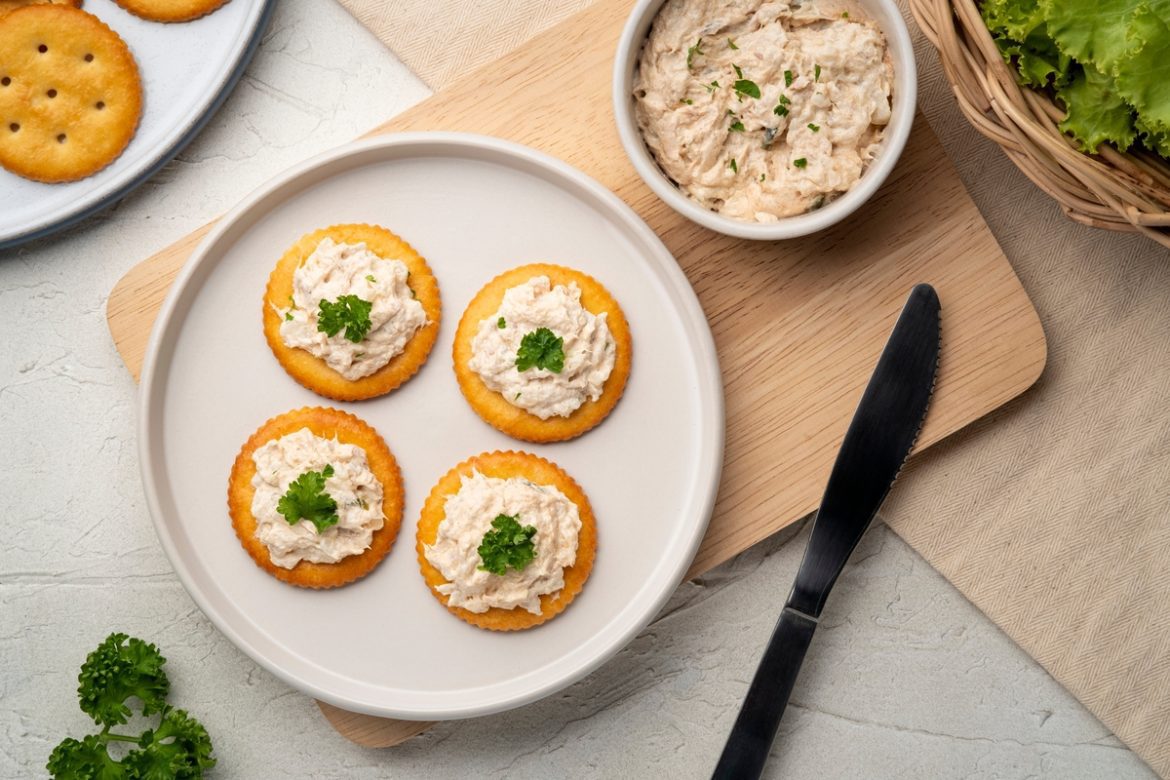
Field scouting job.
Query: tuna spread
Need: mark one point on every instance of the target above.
(760, 110)
(352, 485)
(335, 270)
(587, 345)
(468, 516)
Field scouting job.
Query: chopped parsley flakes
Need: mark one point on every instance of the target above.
(746, 87)
(788, 78)
(814, 128)
(800, 162)
(692, 51)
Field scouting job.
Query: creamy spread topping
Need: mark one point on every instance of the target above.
(824, 79)
(335, 270)
(589, 349)
(469, 515)
(352, 485)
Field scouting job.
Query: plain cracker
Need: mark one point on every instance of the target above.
(170, 10)
(70, 94)
(313, 372)
(504, 465)
(326, 423)
(513, 420)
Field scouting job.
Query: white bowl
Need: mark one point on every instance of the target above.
(887, 16)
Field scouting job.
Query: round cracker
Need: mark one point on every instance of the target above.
(313, 372)
(12, 5)
(504, 465)
(326, 423)
(70, 94)
(170, 10)
(513, 420)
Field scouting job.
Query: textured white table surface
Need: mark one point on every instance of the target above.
(904, 679)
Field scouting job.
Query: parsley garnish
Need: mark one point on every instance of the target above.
(714, 85)
(370, 278)
(814, 128)
(737, 126)
(501, 323)
(746, 87)
(306, 499)
(541, 348)
(349, 312)
(692, 51)
(120, 670)
(731, 45)
(288, 316)
(788, 78)
(688, 101)
(816, 73)
(780, 110)
(738, 71)
(763, 176)
(508, 546)
(733, 165)
(844, 14)
(800, 162)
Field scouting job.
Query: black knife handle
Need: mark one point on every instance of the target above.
(751, 737)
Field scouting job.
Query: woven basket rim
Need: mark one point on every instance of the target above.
(1112, 189)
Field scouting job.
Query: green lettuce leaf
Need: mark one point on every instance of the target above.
(1096, 112)
(1143, 73)
(1040, 60)
(1014, 19)
(1154, 140)
(1093, 31)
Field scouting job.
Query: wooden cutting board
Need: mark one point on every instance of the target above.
(798, 324)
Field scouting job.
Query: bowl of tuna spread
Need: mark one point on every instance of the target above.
(764, 119)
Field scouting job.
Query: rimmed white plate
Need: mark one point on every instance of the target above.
(473, 206)
(187, 70)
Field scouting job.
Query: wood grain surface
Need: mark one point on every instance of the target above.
(798, 324)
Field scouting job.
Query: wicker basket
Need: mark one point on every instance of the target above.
(1111, 189)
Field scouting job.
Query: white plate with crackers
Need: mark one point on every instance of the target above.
(473, 207)
(69, 79)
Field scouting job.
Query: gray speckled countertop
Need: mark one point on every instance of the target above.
(904, 679)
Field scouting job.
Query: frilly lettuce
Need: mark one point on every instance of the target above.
(1107, 61)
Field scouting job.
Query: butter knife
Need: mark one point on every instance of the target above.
(877, 443)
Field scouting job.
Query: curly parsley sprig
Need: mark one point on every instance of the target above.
(120, 669)
(348, 312)
(509, 545)
(543, 349)
(306, 499)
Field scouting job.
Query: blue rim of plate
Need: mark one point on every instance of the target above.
(229, 86)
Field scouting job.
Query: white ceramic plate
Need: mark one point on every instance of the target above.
(473, 206)
(187, 70)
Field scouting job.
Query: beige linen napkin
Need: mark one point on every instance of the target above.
(1053, 514)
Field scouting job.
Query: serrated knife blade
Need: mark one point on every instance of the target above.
(877, 443)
